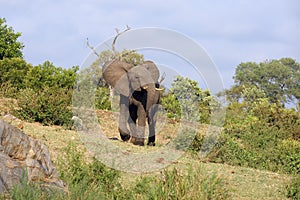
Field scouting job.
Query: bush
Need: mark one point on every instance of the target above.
(102, 100)
(49, 106)
(13, 71)
(186, 100)
(87, 179)
(48, 75)
(261, 137)
(7, 90)
(293, 190)
(189, 139)
(172, 106)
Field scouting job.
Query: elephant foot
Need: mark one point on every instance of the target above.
(124, 136)
(151, 141)
(151, 144)
(137, 141)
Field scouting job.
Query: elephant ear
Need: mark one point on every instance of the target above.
(115, 74)
(152, 68)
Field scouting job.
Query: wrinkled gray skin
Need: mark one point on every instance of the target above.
(139, 96)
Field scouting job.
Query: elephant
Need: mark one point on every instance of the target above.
(139, 91)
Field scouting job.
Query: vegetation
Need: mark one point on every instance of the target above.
(293, 189)
(9, 45)
(263, 137)
(49, 106)
(259, 131)
(12, 71)
(279, 79)
(93, 180)
(43, 92)
(186, 100)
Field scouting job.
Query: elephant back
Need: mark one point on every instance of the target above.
(114, 74)
(152, 68)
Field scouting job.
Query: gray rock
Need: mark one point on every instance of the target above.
(22, 156)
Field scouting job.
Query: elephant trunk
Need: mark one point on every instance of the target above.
(150, 96)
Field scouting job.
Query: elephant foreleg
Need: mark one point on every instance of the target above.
(124, 115)
(152, 116)
(138, 137)
(133, 118)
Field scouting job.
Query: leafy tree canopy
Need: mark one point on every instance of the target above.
(279, 79)
(9, 45)
(48, 75)
(188, 100)
(12, 70)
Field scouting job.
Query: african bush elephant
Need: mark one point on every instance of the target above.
(139, 96)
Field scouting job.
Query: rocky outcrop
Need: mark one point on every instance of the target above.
(24, 157)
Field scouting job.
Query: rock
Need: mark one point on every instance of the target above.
(78, 123)
(22, 156)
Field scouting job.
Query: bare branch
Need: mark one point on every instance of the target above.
(92, 48)
(116, 37)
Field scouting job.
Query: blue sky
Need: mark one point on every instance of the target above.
(230, 31)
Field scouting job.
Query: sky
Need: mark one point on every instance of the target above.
(230, 32)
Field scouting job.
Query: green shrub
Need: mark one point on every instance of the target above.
(186, 100)
(87, 179)
(102, 101)
(7, 90)
(189, 139)
(13, 71)
(293, 189)
(49, 106)
(289, 155)
(172, 106)
(47, 75)
(260, 137)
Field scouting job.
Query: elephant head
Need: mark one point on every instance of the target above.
(126, 79)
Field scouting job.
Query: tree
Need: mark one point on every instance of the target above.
(188, 101)
(48, 75)
(9, 45)
(279, 79)
(46, 95)
(12, 71)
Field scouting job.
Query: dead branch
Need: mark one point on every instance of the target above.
(92, 48)
(116, 37)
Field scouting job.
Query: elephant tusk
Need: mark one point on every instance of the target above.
(159, 89)
(145, 87)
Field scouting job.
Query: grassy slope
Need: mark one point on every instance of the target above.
(244, 183)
